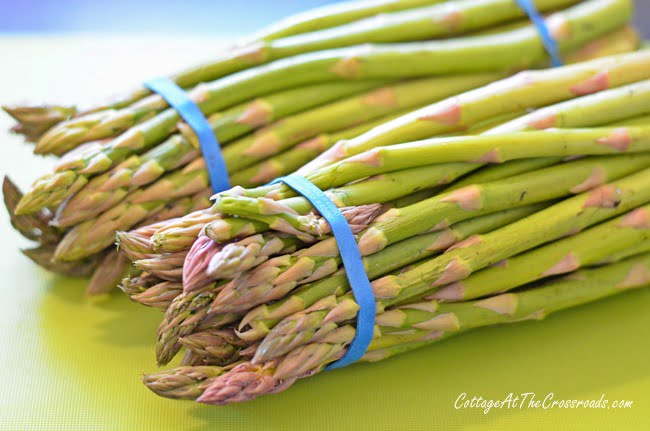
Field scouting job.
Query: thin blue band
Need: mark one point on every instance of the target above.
(549, 43)
(190, 112)
(352, 263)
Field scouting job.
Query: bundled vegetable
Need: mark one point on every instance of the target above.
(260, 319)
(456, 232)
(279, 100)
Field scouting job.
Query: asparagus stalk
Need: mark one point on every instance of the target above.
(631, 98)
(428, 322)
(34, 121)
(257, 322)
(183, 382)
(486, 250)
(94, 235)
(488, 53)
(220, 346)
(449, 18)
(335, 15)
(641, 248)
(183, 235)
(106, 190)
(622, 103)
(160, 295)
(559, 257)
(250, 53)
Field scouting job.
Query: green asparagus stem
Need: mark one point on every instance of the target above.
(94, 235)
(559, 257)
(43, 256)
(642, 248)
(335, 15)
(622, 103)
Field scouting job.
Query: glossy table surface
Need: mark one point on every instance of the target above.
(70, 363)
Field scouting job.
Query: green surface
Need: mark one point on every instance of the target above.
(68, 363)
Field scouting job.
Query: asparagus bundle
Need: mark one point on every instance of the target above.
(521, 236)
(253, 283)
(387, 21)
(132, 162)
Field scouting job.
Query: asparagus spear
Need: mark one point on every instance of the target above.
(423, 323)
(159, 295)
(492, 52)
(559, 257)
(259, 320)
(220, 346)
(183, 382)
(335, 15)
(34, 121)
(32, 226)
(443, 20)
(240, 119)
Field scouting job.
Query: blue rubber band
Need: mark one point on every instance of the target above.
(549, 43)
(352, 263)
(190, 112)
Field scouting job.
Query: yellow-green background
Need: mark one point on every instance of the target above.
(69, 363)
